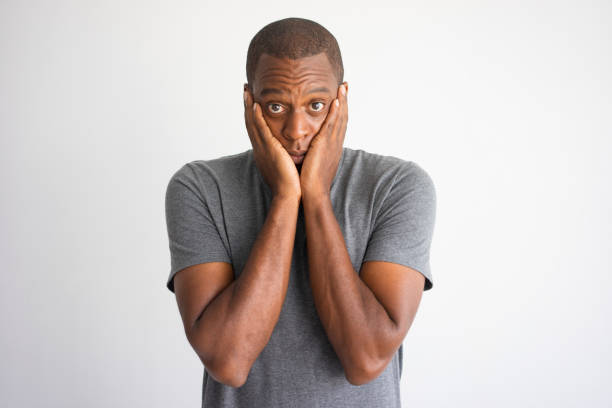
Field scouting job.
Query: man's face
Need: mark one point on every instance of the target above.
(295, 96)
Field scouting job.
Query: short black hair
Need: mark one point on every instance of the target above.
(294, 38)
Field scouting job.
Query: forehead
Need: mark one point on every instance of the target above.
(287, 74)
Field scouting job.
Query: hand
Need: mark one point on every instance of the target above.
(271, 158)
(321, 161)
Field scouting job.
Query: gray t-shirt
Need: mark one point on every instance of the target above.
(385, 207)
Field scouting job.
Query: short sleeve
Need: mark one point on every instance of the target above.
(193, 235)
(403, 228)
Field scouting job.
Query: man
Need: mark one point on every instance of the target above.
(298, 265)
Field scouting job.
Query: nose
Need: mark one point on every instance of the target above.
(296, 126)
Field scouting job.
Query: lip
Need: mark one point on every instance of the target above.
(297, 158)
(296, 154)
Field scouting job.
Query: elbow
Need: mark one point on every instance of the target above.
(229, 376)
(363, 372)
(227, 369)
(358, 378)
(370, 361)
(227, 372)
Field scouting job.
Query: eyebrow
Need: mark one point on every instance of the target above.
(320, 89)
(267, 91)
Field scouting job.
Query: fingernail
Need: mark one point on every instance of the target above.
(254, 106)
(343, 89)
(244, 94)
(337, 102)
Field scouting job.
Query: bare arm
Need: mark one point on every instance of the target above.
(228, 322)
(235, 327)
(365, 320)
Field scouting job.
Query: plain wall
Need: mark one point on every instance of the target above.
(507, 105)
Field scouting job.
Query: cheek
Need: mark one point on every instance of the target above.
(276, 127)
(318, 122)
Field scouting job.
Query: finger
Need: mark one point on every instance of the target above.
(244, 94)
(261, 131)
(248, 117)
(248, 97)
(337, 123)
(342, 91)
(342, 97)
(343, 109)
(341, 131)
(338, 116)
(262, 127)
(344, 103)
(331, 118)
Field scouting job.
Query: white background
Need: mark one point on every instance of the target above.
(507, 105)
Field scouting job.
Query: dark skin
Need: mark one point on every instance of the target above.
(297, 105)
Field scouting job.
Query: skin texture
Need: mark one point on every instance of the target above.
(296, 97)
(297, 105)
(228, 322)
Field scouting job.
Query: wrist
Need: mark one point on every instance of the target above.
(315, 198)
(287, 198)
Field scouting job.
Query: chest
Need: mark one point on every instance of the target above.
(244, 219)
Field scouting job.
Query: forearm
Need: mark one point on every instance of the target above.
(355, 322)
(237, 324)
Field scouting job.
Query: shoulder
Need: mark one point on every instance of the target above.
(203, 174)
(386, 170)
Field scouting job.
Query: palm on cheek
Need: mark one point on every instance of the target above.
(321, 162)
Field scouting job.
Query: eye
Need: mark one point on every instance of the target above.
(275, 107)
(317, 106)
